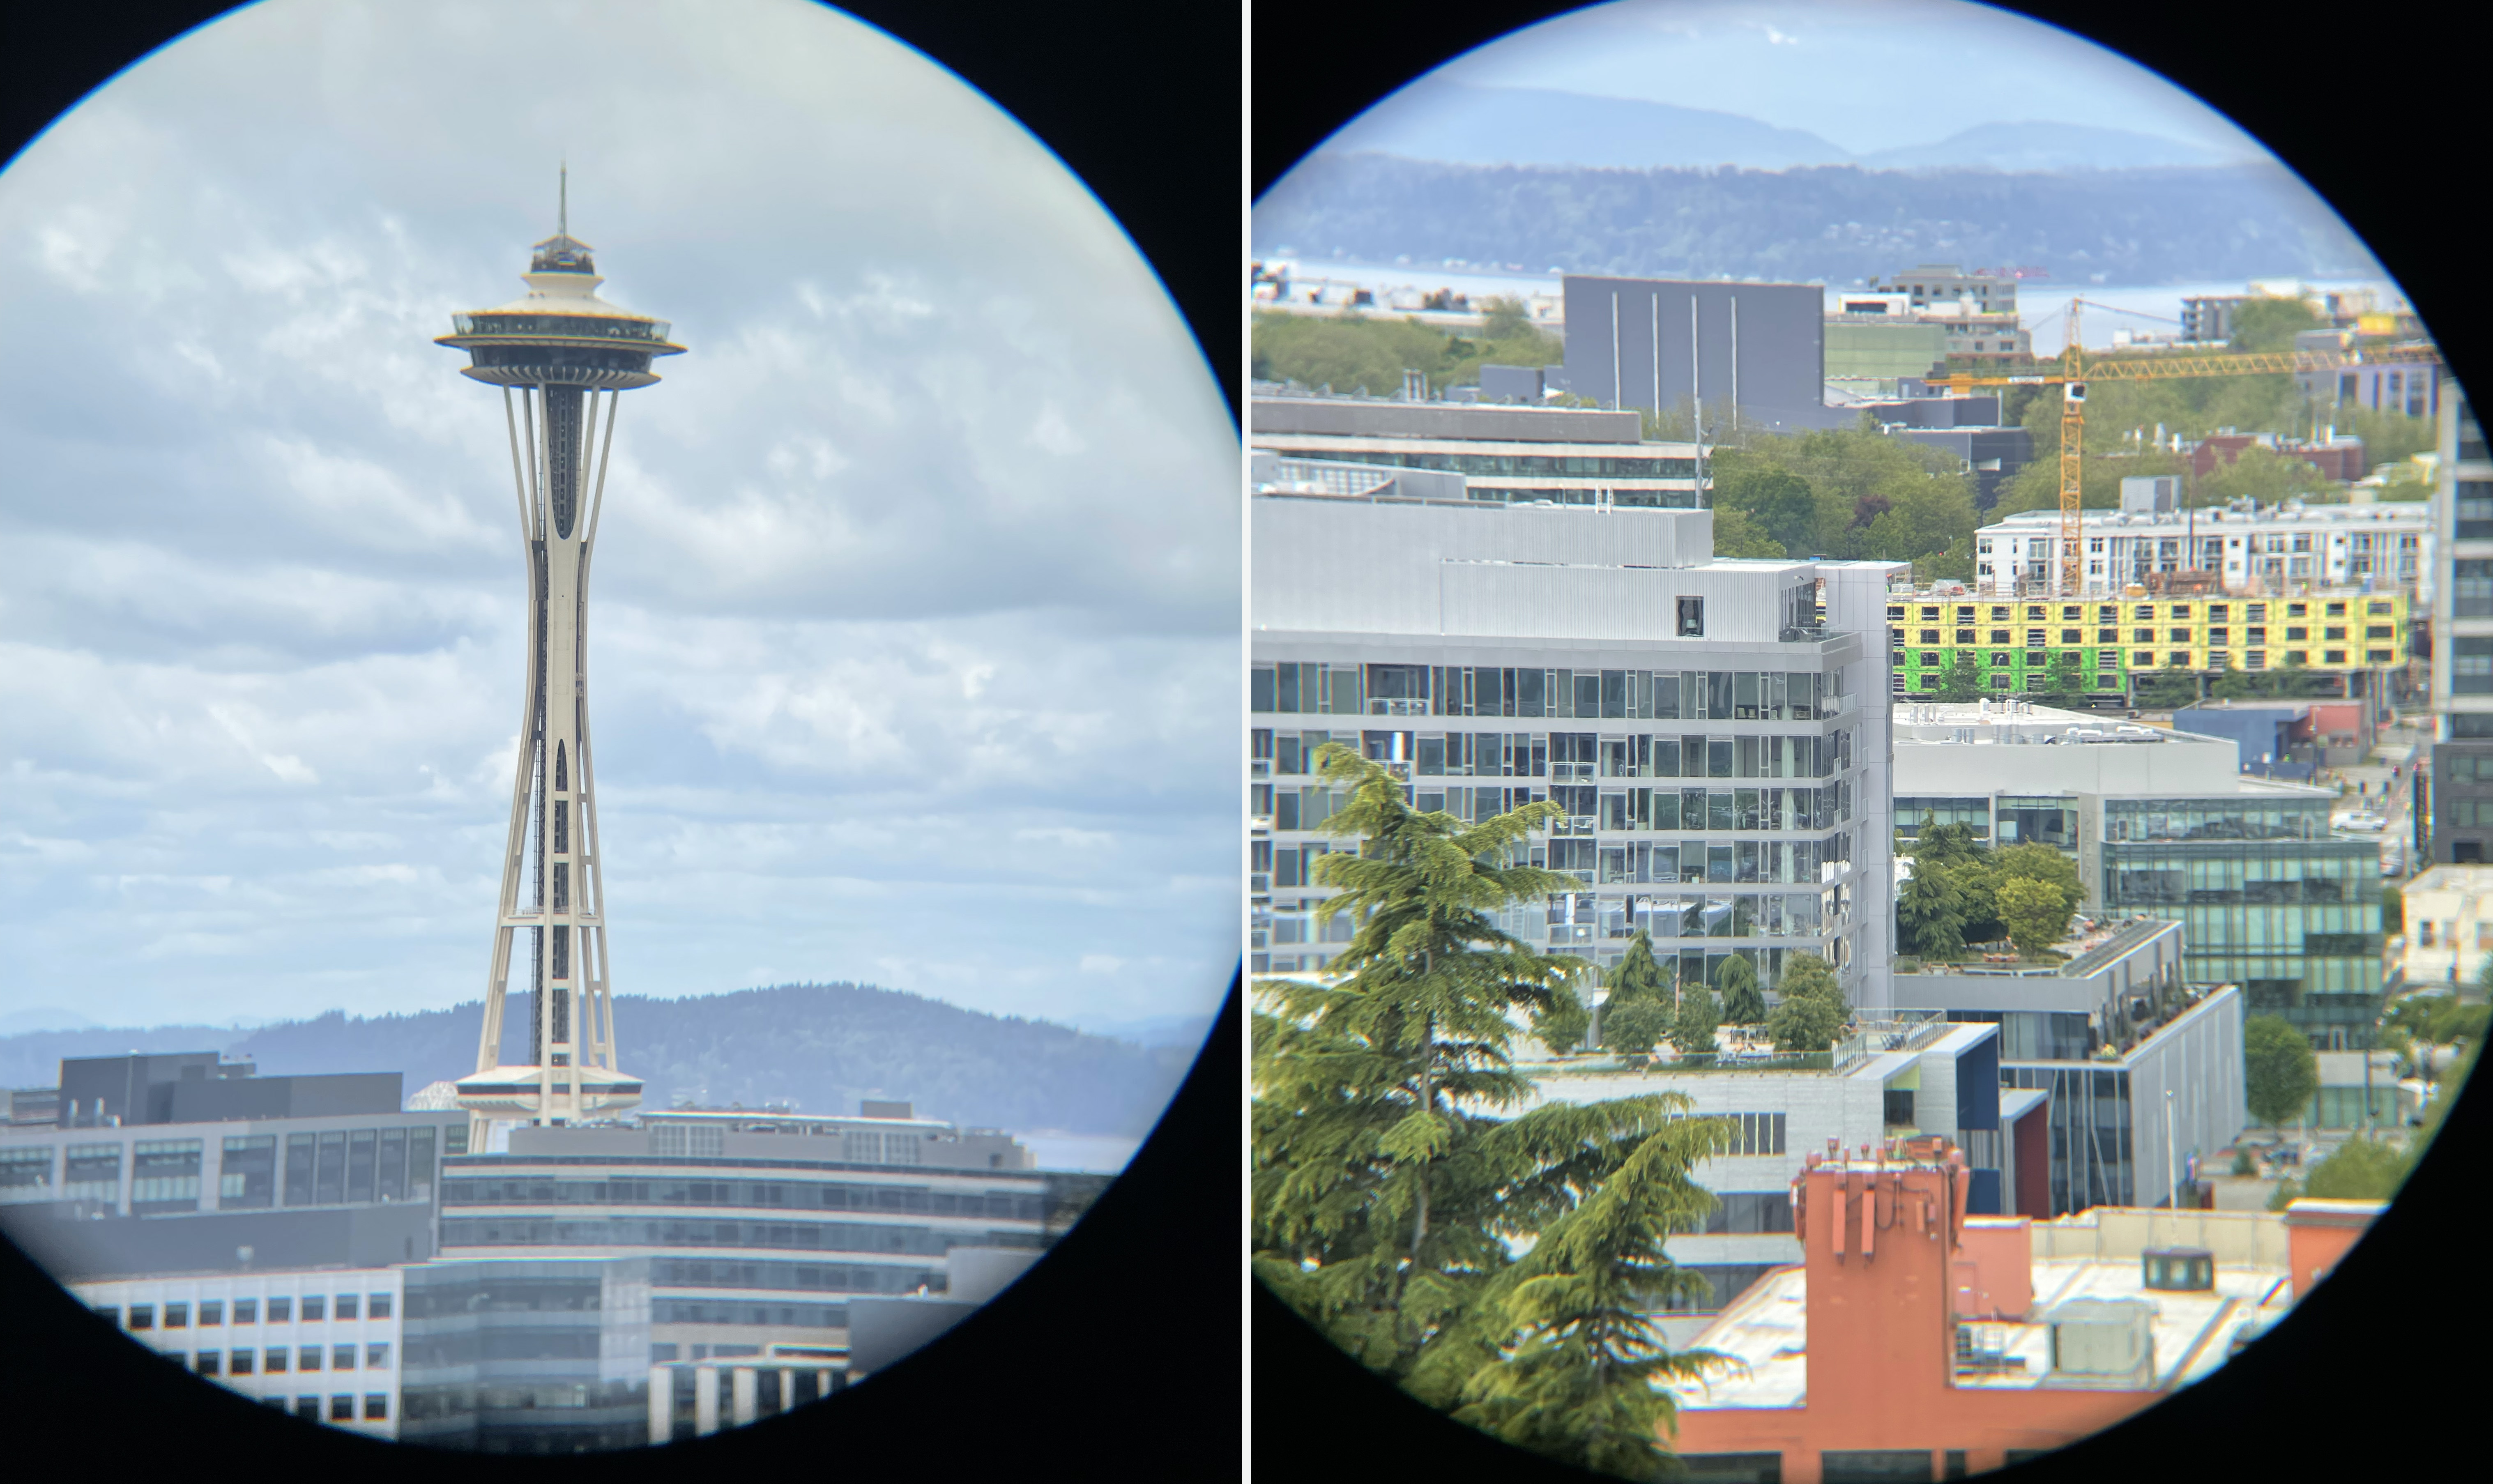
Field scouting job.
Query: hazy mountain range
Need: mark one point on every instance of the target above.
(823, 1046)
(1462, 124)
(1840, 224)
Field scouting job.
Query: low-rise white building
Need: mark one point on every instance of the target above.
(1920, 1073)
(321, 1343)
(2260, 550)
(2449, 925)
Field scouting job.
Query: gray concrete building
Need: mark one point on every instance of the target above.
(1656, 343)
(1722, 754)
(1500, 455)
(184, 1163)
(758, 1228)
(2461, 782)
(2101, 1038)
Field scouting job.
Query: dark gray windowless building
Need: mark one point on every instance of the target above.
(1645, 343)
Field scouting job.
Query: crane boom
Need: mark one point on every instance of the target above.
(2073, 375)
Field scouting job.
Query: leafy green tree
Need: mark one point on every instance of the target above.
(1634, 1026)
(1962, 682)
(1504, 317)
(1736, 534)
(1582, 1378)
(2042, 863)
(1929, 913)
(2034, 913)
(1807, 974)
(1853, 477)
(2065, 683)
(1777, 500)
(1692, 1030)
(1805, 1023)
(2280, 1072)
(2259, 474)
(2167, 690)
(2360, 1169)
(1812, 1012)
(1357, 352)
(1737, 980)
(2271, 323)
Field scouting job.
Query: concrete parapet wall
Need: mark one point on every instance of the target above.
(2236, 1239)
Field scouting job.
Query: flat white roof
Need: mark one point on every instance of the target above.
(1768, 1329)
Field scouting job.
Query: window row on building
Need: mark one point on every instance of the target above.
(1574, 466)
(166, 1175)
(2367, 607)
(796, 1195)
(627, 1232)
(1340, 689)
(310, 1309)
(275, 1360)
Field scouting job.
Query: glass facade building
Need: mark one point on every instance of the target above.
(533, 1356)
(2270, 899)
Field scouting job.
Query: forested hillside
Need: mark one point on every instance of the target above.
(824, 1045)
(1838, 224)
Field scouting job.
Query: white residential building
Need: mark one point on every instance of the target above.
(2263, 550)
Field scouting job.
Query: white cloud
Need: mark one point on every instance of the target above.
(913, 633)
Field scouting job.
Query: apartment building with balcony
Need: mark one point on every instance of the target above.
(1724, 781)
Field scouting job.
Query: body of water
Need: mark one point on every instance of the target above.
(2042, 304)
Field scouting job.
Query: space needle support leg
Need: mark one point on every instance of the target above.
(542, 1003)
(597, 1003)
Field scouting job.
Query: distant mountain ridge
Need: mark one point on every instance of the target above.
(824, 1045)
(1837, 225)
(1459, 123)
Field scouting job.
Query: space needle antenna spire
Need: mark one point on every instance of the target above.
(558, 347)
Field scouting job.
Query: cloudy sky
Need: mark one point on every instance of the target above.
(1860, 74)
(914, 630)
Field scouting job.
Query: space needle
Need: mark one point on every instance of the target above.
(557, 349)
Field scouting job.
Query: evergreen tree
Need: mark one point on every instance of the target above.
(1634, 1026)
(1564, 1026)
(1737, 979)
(1362, 1083)
(1929, 913)
(1579, 1384)
(1692, 1032)
(1389, 1195)
(1639, 974)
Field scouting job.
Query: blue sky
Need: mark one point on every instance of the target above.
(1865, 75)
(915, 633)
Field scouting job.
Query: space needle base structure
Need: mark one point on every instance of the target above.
(557, 349)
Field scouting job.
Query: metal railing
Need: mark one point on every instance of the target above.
(1909, 1031)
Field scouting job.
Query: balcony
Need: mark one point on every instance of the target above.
(1379, 706)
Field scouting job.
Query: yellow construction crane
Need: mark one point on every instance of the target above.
(2074, 374)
